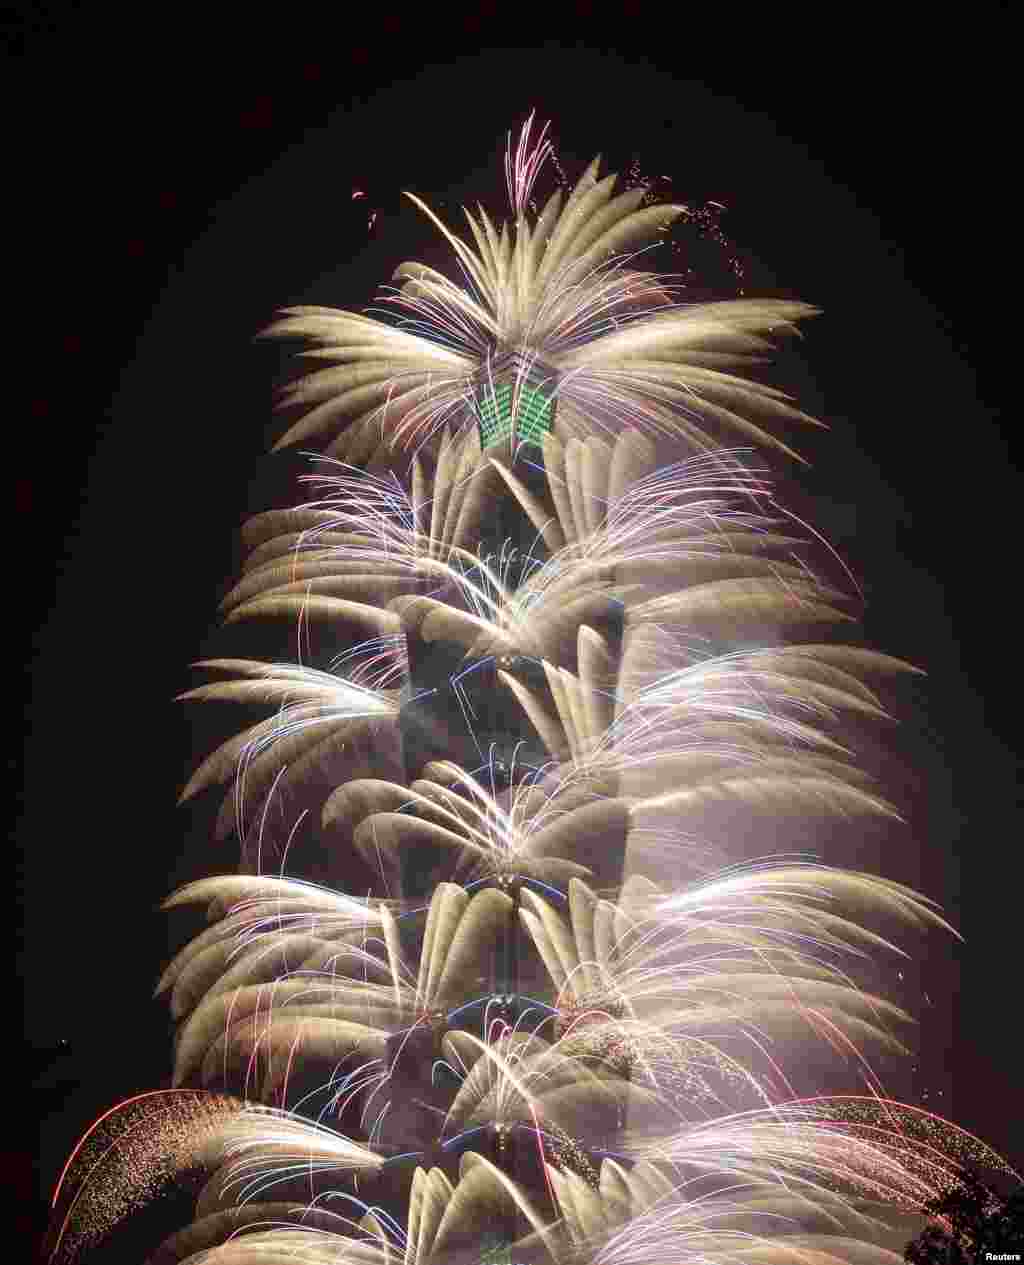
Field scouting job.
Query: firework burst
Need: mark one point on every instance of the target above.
(580, 657)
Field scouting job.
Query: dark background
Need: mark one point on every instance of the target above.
(179, 182)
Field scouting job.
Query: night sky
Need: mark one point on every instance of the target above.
(182, 184)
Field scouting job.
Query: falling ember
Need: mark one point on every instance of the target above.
(929, 1144)
(135, 1155)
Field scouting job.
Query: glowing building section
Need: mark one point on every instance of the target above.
(524, 409)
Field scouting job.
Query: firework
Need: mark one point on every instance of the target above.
(554, 1002)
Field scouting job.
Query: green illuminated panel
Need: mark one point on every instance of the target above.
(494, 409)
(535, 415)
(494, 1250)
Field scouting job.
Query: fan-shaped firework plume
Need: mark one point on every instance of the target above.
(548, 998)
